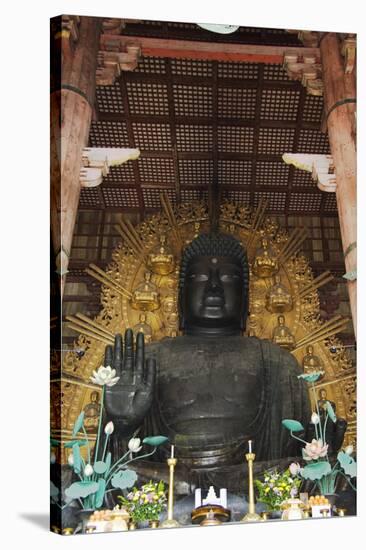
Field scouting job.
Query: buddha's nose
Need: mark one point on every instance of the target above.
(214, 283)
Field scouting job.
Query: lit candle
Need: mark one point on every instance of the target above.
(250, 445)
(197, 498)
(172, 451)
(223, 498)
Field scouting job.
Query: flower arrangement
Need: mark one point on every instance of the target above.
(315, 453)
(277, 487)
(145, 503)
(99, 476)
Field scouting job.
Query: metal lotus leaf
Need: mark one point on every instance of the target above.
(80, 442)
(99, 497)
(82, 489)
(292, 425)
(155, 441)
(77, 458)
(78, 424)
(54, 491)
(331, 412)
(348, 464)
(124, 479)
(108, 460)
(316, 470)
(100, 467)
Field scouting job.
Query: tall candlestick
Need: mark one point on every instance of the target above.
(251, 515)
(170, 522)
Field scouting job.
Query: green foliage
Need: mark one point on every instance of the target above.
(82, 489)
(124, 479)
(78, 424)
(277, 487)
(292, 425)
(316, 470)
(348, 464)
(145, 503)
(155, 441)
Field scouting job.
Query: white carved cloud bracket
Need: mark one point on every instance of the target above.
(321, 168)
(97, 161)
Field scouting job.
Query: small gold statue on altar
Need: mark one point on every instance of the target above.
(278, 298)
(91, 413)
(146, 295)
(282, 335)
(143, 327)
(161, 259)
(265, 262)
(311, 362)
(255, 318)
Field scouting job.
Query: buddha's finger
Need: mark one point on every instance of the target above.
(140, 356)
(150, 372)
(118, 353)
(108, 356)
(128, 362)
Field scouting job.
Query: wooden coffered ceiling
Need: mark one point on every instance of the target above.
(200, 123)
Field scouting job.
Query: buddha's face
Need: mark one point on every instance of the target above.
(213, 293)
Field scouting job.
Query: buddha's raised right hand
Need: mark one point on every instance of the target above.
(129, 400)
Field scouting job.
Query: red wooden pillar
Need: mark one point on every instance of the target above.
(339, 102)
(73, 70)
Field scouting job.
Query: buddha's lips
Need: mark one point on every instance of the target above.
(214, 301)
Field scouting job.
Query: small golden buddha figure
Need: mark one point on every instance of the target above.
(144, 327)
(265, 262)
(311, 362)
(91, 413)
(323, 400)
(278, 299)
(255, 319)
(282, 334)
(161, 259)
(146, 295)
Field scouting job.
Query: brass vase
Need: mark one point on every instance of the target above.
(154, 523)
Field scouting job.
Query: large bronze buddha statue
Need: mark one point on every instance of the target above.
(211, 389)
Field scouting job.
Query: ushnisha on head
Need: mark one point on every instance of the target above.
(213, 286)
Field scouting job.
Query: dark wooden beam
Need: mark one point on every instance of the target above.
(186, 49)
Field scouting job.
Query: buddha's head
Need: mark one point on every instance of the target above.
(213, 286)
(322, 394)
(94, 397)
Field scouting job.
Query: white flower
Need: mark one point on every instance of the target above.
(315, 450)
(70, 459)
(349, 449)
(294, 468)
(53, 457)
(134, 444)
(88, 470)
(104, 376)
(109, 428)
(315, 418)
